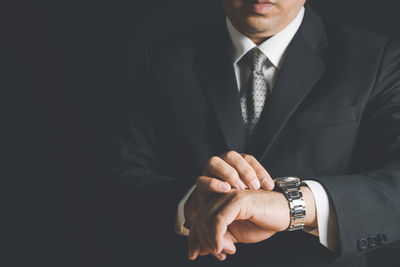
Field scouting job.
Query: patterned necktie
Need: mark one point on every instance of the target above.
(253, 96)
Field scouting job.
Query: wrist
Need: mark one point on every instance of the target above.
(310, 219)
(285, 208)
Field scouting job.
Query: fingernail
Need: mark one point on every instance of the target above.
(229, 251)
(255, 185)
(242, 185)
(266, 183)
(239, 186)
(225, 187)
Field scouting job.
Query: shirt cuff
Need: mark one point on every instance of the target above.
(180, 215)
(327, 227)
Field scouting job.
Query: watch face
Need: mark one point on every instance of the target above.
(282, 180)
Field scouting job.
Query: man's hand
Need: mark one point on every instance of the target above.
(239, 170)
(223, 172)
(264, 213)
(242, 216)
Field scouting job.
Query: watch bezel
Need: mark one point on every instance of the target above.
(281, 180)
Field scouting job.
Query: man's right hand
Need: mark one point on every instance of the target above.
(223, 172)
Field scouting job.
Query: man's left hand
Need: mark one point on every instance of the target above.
(245, 216)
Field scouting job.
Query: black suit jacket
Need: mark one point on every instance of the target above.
(333, 117)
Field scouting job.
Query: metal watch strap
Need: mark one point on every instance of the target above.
(291, 188)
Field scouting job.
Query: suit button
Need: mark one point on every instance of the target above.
(382, 240)
(372, 241)
(363, 244)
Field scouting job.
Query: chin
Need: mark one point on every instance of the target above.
(257, 24)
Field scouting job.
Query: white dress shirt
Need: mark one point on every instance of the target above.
(274, 49)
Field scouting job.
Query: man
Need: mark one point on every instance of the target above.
(272, 92)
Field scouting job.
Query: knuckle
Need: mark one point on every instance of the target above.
(248, 174)
(248, 157)
(218, 219)
(259, 170)
(199, 180)
(212, 161)
(216, 240)
(231, 152)
(251, 158)
(232, 174)
(213, 183)
(252, 161)
(231, 155)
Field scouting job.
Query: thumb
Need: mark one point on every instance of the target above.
(209, 185)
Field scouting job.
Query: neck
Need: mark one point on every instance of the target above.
(258, 40)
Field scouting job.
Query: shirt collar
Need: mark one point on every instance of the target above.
(273, 48)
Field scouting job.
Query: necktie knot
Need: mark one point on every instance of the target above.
(258, 60)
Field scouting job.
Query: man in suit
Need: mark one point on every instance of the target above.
(272, 91)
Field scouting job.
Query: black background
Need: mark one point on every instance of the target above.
(68, 69)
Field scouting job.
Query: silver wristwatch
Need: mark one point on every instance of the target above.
(291, 188)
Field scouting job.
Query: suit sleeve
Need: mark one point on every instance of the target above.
(367, 203)
(145, 197)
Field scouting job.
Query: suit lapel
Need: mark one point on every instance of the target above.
(217, 77)
(300, 71)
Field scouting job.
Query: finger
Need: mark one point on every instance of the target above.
(229, 236)
(204, 239)
(204, 252)
(225, 217)
(245, 171)
(193, 245)
(229, 246)
(220, 229)
(262, 174)
(205, 226)
(221, 256)
(212, 185)
(217, 167)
